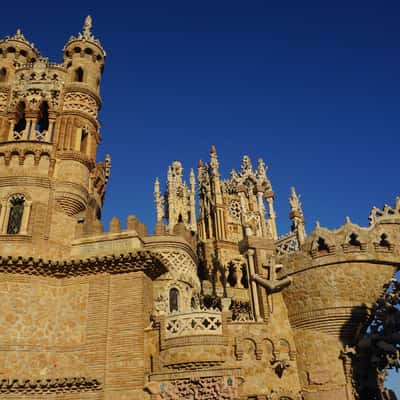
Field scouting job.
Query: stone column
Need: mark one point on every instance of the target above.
(253, 286)
(25, 218)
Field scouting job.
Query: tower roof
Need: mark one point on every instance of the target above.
(86, 35)
(19, 38)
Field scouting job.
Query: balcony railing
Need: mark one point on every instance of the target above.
(196, 323)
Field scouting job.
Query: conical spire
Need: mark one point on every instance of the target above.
(297, 216)
(87, 27)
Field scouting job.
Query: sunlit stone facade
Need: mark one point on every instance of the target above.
(212, 305)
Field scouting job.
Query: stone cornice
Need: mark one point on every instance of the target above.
(76, 156)
(144, 261)
(48, 386)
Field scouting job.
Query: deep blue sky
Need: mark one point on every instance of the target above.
(312, 87)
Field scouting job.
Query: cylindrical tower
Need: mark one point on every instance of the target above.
(336, 278)
(49, 133)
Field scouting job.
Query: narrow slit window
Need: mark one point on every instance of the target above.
(20, 125)
(79, 75)
(42, 124)
(84, 140)
(3, 75)
(173, 300)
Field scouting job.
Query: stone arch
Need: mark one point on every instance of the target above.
(79, 74)
(322, 245)
(249, 348)
(268, 346)
(15, 213)
(174, 299)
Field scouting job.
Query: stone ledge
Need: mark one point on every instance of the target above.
(144, 261)
(48, 386)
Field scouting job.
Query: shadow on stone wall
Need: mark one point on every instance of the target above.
(364, 379)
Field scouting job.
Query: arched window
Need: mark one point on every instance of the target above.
(3, 75)
(17, 204)
(42, 124)
(173, 300)
(78, 75)
(21, 119)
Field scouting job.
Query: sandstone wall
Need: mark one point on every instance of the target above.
(90, 327)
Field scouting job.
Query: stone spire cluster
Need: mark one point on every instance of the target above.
(177, 205)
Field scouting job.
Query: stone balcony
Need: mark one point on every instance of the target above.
(193, 324)
(195, 337)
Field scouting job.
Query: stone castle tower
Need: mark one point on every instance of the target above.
(213, 305)
(49, 134)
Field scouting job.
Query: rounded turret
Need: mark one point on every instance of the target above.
(338, 275)
(84, 58)
(14, 51)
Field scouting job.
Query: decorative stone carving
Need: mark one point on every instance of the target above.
(82, 102)
(177, 205)
(203, 388)
(193, 324)
(181, 266)
(142, 260)
(272, 285)
(48, 386)
(3, 101)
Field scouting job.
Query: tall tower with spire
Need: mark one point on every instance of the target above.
(49, 132)
(177, 205)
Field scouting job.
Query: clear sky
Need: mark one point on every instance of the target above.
(311, 87)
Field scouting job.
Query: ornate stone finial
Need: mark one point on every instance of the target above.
(348, 220)
(214, 160)
(156, 187)
(192, 177)
(87, 27)
(261, 169)
(177, 170)
(317, 224)
(246, 166)
(200, 164)
(294, 200)
(297, 217)
(86, 35)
